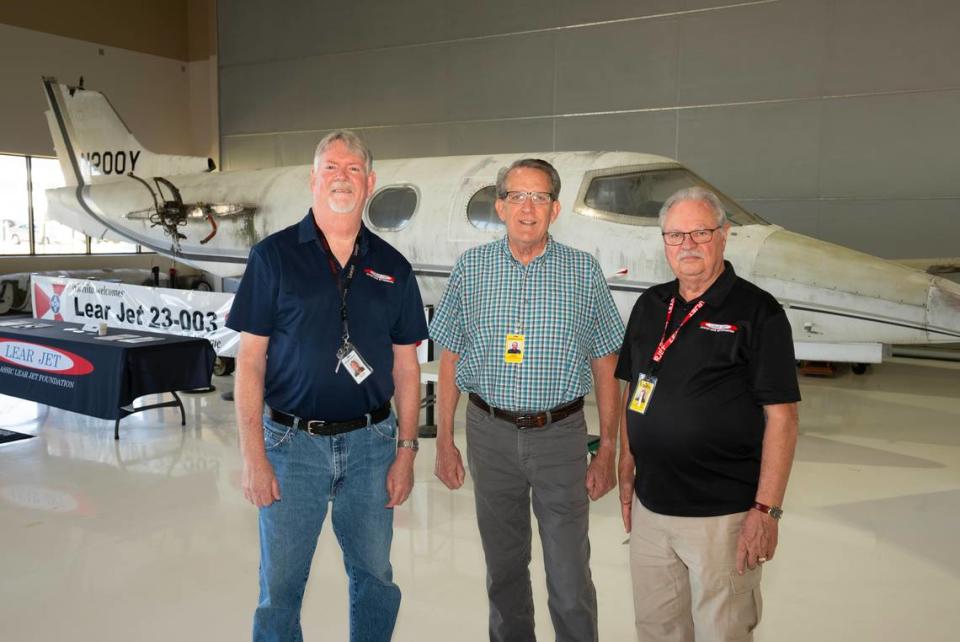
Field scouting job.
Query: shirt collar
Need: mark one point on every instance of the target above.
(308, 231)
(716, 293)
(547, 251)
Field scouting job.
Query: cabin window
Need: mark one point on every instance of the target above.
(636, 196)
(481, 212)
(392, 208)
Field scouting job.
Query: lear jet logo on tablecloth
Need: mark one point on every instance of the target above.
(46, 358)
(46, 303)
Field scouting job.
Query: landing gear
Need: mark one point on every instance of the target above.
(858, 368)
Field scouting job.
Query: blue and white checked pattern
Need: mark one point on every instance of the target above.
(559, 301)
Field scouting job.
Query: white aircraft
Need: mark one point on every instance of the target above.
(843, 305)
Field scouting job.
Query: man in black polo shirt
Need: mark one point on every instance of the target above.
(711, 419)
(329, 316)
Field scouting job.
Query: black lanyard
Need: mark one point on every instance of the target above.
(344, 285)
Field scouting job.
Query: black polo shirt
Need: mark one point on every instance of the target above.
(289, 294)
(697, 448)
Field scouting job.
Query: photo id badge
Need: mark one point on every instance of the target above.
(640, 400)
(513, 348)
(355, 365)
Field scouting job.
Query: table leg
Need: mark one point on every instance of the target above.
(183, 413)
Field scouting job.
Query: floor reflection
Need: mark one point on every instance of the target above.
(148, 538)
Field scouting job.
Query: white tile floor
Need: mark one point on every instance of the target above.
(149, 538)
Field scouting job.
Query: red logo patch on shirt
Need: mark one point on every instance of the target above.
(718, 327)
(383, 278)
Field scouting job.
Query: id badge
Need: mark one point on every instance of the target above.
(513, 348)
(642, 394)
(352, 361)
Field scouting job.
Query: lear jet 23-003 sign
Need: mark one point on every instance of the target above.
(843, 305)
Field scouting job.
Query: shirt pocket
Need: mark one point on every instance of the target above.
(723, 342)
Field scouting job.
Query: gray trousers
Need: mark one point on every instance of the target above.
(506, 464)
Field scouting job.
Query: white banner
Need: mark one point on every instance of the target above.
(136, 307)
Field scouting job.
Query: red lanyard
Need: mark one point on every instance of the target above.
(667, 342)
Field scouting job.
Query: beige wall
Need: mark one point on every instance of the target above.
(169, 28)
(169, 104)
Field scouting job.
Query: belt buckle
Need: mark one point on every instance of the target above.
(531, 421)
(315, 426)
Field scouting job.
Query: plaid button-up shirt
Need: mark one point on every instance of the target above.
(559, 302)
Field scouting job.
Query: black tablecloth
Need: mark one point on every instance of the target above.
(102, 375)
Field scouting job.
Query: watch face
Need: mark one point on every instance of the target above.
(776, 512)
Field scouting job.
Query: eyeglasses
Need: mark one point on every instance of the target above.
(699, 236)
(519, 198)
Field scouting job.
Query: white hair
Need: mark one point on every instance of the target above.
(695, 193)
(353, 142)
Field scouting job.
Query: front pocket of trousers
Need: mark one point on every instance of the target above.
(273, 437)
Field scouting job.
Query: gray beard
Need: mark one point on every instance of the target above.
(341, 209)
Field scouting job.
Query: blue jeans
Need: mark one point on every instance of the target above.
(347, 472)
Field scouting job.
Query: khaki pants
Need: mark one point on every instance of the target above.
(685, 584)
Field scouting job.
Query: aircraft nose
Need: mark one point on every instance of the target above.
(943, 309)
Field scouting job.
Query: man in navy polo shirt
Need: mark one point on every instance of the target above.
(710, 415)
(329, 316)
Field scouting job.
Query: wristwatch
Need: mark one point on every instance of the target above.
(412, 444)
(773, 511)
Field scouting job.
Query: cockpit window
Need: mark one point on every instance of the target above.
(481, 212)
(636, 195)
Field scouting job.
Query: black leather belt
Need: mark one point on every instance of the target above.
(524, 420)
(330, 428)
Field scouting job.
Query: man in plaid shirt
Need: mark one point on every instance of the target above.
(522, 326)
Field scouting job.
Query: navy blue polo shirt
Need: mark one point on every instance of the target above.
(289, 294)
(697, 448)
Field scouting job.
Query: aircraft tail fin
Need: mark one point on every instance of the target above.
(93, 143)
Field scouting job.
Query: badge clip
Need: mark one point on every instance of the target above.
(643, 393)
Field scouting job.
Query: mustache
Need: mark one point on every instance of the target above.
(683, 254)
(342, 185)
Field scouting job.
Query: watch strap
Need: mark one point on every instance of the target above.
(412, 444)
(773, 511)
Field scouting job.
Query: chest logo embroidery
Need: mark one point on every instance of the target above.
(718, 327)
(383, 278)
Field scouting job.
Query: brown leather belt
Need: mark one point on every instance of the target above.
(330, 428)
(523, 420)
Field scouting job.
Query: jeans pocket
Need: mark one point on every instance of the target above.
(386, 428)
(275, 434)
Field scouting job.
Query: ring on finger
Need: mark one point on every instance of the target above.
(761, 559)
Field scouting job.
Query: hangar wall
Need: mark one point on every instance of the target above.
(835, 118)
(169, 101)
(164, 88)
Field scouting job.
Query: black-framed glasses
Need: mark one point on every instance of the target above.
(699, 236)
(519, 198)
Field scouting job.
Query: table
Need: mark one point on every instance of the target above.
(99, 376)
